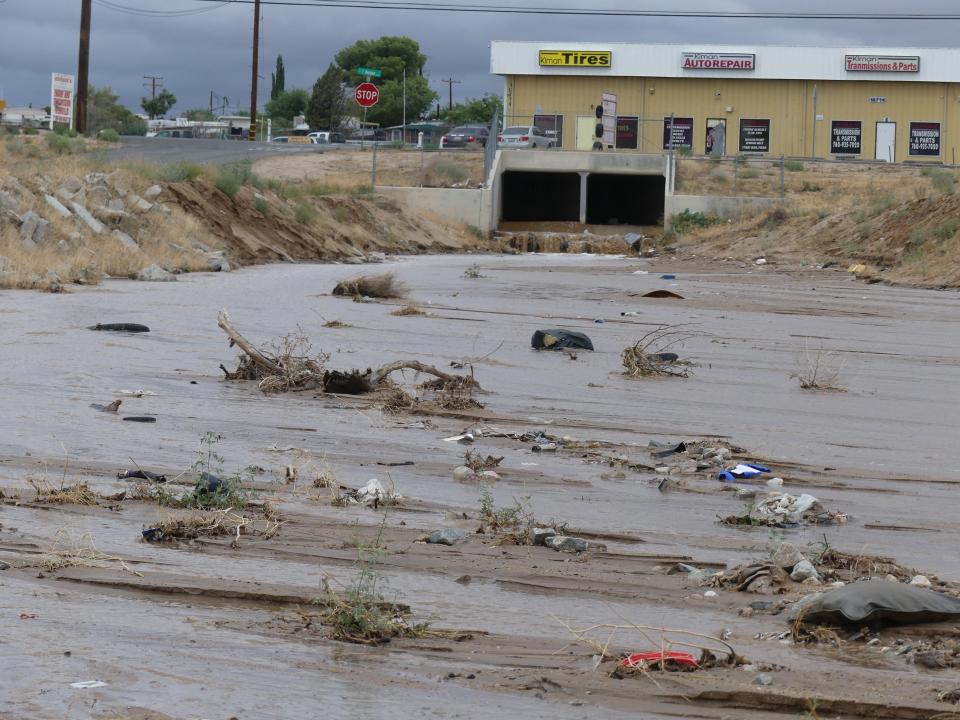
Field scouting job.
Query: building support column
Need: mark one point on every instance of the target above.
(583, 197)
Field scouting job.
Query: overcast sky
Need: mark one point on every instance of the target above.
(211, 51)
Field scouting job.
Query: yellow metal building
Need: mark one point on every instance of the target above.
(889, 104)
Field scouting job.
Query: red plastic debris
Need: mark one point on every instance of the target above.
(655, 657)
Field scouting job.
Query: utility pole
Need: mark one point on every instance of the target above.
(256, 68)
(83, 67)
(155, 81)
(450, 83)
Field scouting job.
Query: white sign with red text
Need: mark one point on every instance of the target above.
(877, 63)
(718, 61)
(61, 99)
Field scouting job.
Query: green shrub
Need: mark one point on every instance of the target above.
(30, 131)
(262, 206)
(13, 130)
(110, 135)
(243, 171)
(943, 180)
(793, 165)
(58, 144)
(178, 172)
(686, 221)
(947, 230)
(810, 187)
(749, 174)
(449, 172)
(304, 214)
(228, 183)
(341, 214)
(918, 236)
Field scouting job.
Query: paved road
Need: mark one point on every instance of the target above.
(203, 152)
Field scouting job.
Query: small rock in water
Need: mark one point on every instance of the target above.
(920, 581)
(562, 543)
(155, 273)
(447, 536)
(804, 570)
(464, 474)
(786, 556)
(710, 594)
(763, 679)
(538, 536)
(775, 482)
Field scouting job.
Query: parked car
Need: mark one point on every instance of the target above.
(326, 138)
(524, 136)
(466, 136)
(281, 139)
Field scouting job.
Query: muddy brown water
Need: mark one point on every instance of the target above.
(884, 451)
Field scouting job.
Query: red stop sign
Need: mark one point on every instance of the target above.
(367, 94)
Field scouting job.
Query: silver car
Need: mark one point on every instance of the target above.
(524, 136)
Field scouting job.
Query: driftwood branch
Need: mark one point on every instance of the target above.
(381, 373)
(223, 320)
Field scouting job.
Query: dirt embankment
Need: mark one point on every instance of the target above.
(260, 227)
(900, 227)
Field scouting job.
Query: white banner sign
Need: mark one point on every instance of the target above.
(718, 61)
(875, 63)
(61, 99)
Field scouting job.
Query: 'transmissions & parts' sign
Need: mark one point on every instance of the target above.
(925, 139)
(845, 137)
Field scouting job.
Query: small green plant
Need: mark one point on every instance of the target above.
(228, 183)
(476, 232)
(11, 130)
(749, 174)
(881, 203)
(793, 165)
(363, 190)
(341, 214)
(30, 131)
(943, 180)
(947, 230)
(473, 272)
(684, 222)
(109, 135)
(810, 187)
(823, 212)
(177, 172)
(918, 236)
(304, 214)
(58, 144)
(262, 206)
(513, 522)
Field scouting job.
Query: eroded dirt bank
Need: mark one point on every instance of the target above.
(203, 629)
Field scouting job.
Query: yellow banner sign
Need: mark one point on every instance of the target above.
(3, 105)
(576, 58)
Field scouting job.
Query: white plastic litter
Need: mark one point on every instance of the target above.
(775, 482)
(464, 439)
(88, 684)
(785, 508)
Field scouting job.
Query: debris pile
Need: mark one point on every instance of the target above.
(783, 510)
(650, 356)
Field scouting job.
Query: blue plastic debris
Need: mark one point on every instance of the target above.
(741, 471)
(668, 277)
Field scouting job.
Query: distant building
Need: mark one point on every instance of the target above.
(871, 103)
(20, 116)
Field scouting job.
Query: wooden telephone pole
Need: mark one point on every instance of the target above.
(83, 67)
(256, 70)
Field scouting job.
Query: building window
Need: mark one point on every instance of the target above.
(925, 139)
(846, 137)
(552, 126)
(754, 135)
(628, 132)
(682, 133)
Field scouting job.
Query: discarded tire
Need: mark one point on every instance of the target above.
(560, 340)
(120, 327)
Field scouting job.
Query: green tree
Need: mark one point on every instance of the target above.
(160, 105)
(391, 55)
(200, 115)
(278, 80)
(104, 112)
(328, 102)
(287, 106)
(475, 110)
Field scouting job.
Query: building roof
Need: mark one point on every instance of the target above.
(704, 60)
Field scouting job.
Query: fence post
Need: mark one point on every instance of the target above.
(782, 184)
(373, 169)
(736, 170)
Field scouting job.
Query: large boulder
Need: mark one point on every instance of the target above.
(95, 225)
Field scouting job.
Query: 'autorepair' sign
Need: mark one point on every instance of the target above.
(718, 61)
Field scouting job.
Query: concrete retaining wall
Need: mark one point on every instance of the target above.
(470, 206)
(722, 207)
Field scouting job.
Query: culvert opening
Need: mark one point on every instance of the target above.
(540, 196)
(625, 199)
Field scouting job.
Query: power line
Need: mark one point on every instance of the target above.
(144, 12)
(415, 5)
(450, 83)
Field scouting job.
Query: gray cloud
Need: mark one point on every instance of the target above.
(211, 52)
